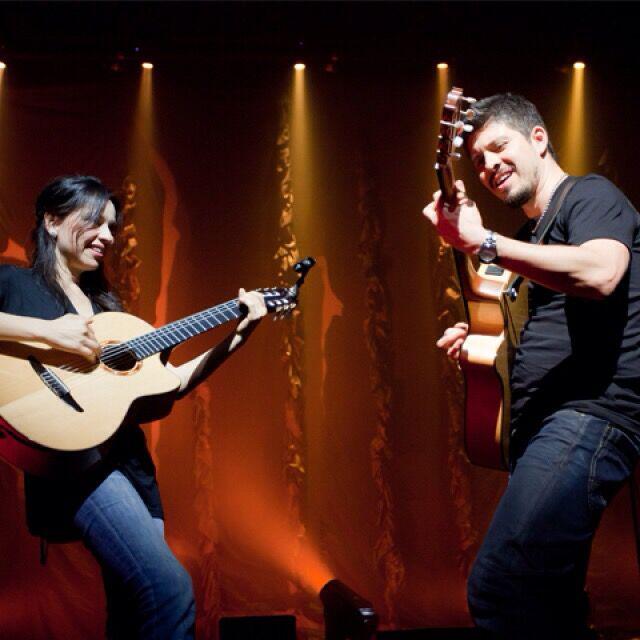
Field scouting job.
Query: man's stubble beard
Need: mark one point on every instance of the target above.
(517, 200)
(521, 197)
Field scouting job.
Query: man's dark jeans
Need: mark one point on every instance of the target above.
(528, 579)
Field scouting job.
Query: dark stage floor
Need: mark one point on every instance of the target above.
(475, 634)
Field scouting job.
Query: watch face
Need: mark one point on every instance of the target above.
(487, 255)
(488, 252)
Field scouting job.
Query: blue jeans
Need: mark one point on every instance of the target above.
(149, 593)
(528, 579)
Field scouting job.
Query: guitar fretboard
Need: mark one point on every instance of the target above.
(174, 333)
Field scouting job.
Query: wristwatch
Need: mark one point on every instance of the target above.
(488, 252)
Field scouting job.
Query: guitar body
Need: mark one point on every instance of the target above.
(495, 321)
(42, 433)
(58, 412)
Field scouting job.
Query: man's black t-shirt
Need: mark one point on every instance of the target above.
(578, 353)
(52, 503)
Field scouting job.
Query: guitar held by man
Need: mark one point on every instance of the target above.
(494, 312)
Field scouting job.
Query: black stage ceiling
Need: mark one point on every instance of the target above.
(493, 37)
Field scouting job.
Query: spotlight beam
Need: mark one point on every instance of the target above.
(576, 149)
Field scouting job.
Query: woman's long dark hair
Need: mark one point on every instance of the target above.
(59, 198)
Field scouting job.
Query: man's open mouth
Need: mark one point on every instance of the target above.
(500, 180)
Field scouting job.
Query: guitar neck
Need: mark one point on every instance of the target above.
(447, 183)
(174, 333)
(474, 285)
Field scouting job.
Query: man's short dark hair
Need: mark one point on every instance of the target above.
(511, 109)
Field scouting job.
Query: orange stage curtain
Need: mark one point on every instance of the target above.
(387, 500)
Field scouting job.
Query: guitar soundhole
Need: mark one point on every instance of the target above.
(118, 358)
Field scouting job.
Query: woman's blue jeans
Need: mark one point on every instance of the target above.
(528, 579)
(149, 593)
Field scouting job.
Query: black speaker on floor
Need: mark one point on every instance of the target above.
(258, 628)
(445, 633)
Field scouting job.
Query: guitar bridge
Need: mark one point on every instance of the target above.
(54, 384)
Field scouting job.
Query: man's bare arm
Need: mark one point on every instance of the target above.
(590, 270)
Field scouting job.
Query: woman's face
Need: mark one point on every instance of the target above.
(81, 244)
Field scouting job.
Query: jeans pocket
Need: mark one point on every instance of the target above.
(612, 464)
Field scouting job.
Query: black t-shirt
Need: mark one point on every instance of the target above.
(578, 353)
(52, 503)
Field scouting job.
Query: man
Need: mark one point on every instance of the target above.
(575, 378)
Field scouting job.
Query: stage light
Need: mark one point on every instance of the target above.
(347, 616)
(442, 65)
(147, 65)
(3, 65)
(299, 66)
(575, 155)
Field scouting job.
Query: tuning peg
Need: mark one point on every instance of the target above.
(304, 265)
(469, 100)
(463, 126)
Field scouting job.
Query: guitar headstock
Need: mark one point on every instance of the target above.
(283, 300)
(450, 139)
(278, 300)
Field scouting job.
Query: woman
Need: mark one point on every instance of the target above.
(115, 508)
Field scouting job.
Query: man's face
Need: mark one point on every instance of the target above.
(506, 162)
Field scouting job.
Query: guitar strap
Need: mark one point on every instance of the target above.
(551, 215)
(546, 224)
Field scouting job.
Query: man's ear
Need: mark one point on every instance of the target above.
(539, 138)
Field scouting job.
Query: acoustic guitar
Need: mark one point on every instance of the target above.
(496, 308)
(58, 411)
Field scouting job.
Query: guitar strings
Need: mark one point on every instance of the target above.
(119, 354)
(201, 318)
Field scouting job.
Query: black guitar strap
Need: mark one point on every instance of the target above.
(545, 226)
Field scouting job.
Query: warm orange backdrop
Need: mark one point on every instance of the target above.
(210, 164)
